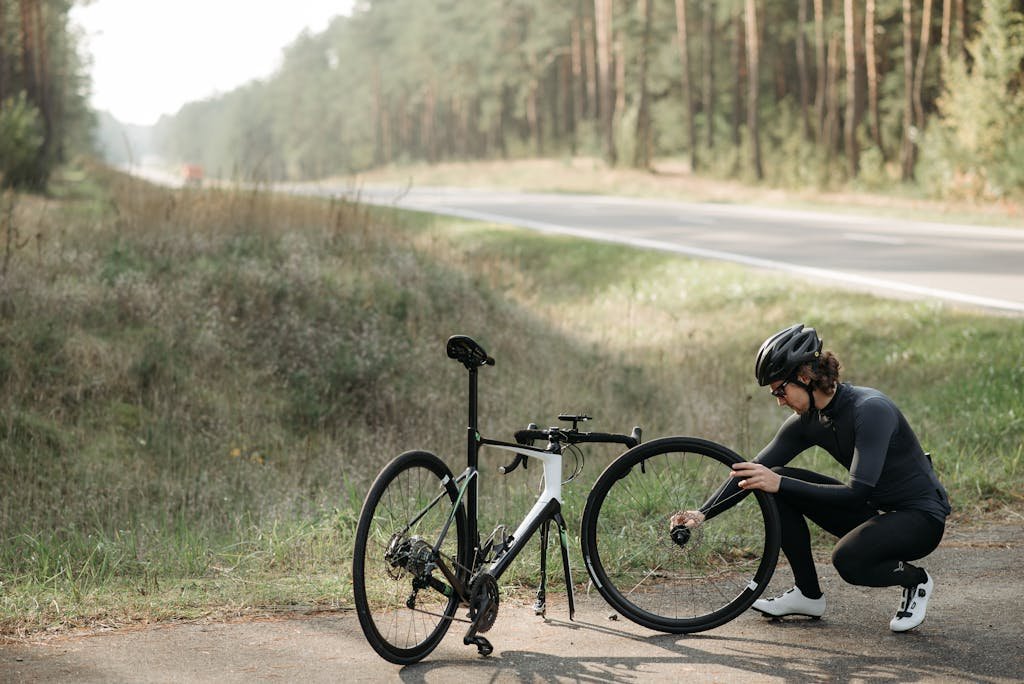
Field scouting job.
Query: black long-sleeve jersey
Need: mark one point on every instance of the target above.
(864, 431)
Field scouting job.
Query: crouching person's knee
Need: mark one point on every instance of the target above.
(847, 565)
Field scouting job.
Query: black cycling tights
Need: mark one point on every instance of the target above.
(873, 548)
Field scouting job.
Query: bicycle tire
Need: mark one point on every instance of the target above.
(390, 517)
(647, 577)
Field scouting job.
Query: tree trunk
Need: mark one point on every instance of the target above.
(503, 117)
(947, 17)
(708, 98)
(821, 68)
(922, 62)
(801, 68)
(872, 70)
(578, 87)
(379, 114)
(850, 128)
(753, 86)
(592, 109)
(960, 43)
(739, 62)
(603, 30)
(44, 75)
(427, 138)
(619, 64)
(684, 74)
(831, 139)
(28, 56)
(642, 151)
(533, 117)
(907, 152)
(3, 51)
(566, 132)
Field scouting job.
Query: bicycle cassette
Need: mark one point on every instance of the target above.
(414, 555)
(483, 602)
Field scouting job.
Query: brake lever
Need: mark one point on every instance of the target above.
(519, 459)
(637, 434)
(506, 469)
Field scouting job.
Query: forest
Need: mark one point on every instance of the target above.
(44, 110)
(866, 93)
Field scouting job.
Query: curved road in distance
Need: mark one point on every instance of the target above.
(968, 265)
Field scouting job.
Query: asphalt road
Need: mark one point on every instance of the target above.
(968, 265)
(974, 633)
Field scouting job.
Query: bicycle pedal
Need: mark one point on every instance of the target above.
(483, 646)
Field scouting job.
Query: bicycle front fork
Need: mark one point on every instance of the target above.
(540, 606)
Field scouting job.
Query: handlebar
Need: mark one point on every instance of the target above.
(555, 434)
(567, 436)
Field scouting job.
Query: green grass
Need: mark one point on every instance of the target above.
(198, 387)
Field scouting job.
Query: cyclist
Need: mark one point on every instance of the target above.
(891, 511)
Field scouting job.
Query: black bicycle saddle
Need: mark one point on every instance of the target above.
(468, 352)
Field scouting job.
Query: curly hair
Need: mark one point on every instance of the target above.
(823, 372)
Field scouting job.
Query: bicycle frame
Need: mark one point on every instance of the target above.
(547, 507)
(476, 584)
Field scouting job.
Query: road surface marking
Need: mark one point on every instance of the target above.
(867, 237)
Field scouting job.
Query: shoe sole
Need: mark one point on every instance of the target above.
(785, 615)
(905, 629)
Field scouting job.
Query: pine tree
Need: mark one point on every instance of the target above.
(982, 106)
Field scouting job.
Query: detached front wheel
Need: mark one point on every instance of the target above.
(709, 578)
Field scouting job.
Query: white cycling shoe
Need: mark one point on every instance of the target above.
(793, 602)
(912, 606)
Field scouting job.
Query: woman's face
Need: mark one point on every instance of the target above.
(792, 395)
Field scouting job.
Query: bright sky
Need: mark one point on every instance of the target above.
(150, 57)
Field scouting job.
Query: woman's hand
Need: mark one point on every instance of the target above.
(756, 476)
(687, 518)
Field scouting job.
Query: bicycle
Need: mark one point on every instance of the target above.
(419, 555)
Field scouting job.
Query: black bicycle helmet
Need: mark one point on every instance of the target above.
(784, 352)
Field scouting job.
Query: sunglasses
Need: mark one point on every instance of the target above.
(780, 391)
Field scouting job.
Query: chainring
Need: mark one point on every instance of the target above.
(483, 602)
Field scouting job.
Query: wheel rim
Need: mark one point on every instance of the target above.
(644, 574)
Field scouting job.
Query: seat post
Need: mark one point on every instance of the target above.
(472, 443)
(472, 459)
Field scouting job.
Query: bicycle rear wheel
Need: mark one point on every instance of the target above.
(647, 577)
(404, 603)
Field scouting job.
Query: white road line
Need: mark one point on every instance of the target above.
(868, 237)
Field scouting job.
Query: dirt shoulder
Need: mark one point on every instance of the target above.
(974, 633)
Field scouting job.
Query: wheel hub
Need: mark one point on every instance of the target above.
(413, 555)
